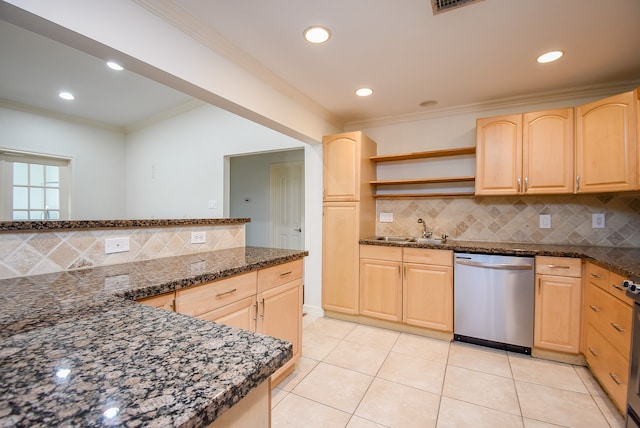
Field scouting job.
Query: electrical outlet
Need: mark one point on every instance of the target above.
(116, 245)
(597, 221)
(545, 221)
(386, 217)
(198, 237)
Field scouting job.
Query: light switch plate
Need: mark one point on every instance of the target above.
(198, 237)
(386, 217)
(597, 221)
(545, 221)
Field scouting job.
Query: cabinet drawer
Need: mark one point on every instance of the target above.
(559, 266)
(597, 275)
(279, 274)
(378, 252)
(163, 301)
(615, 288)
(204, 298)
(612, 318)
(428, 256)
(608, 366)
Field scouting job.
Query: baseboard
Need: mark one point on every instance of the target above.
(312, 310)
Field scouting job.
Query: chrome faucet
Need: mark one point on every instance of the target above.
(425, 234)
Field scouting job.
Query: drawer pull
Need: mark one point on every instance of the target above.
(618, 287)
(224, 293)
(286, 273)
(594, 308)
(615, 379)
(558, 267)
(595, 275)
(617, 327)
(593, 351)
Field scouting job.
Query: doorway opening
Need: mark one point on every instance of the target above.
(268, 188)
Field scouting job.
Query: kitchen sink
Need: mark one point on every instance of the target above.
(427, 241)
(394, 239)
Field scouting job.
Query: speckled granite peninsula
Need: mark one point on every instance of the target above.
(16, 226)
(75, 347)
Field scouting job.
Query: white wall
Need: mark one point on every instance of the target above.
(250, 179)
(97, 158)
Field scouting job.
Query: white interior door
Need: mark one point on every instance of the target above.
(287, 205)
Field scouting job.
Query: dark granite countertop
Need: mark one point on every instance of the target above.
(624, 261)
(74, 345)
(48, 225)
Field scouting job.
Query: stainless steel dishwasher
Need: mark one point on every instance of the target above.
(493, 301)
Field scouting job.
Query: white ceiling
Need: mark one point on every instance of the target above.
(475, 55)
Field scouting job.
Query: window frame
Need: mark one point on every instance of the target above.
(9, 157)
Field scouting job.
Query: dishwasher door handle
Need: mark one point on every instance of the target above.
(501, 266)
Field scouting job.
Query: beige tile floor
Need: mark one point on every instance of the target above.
(357, 376)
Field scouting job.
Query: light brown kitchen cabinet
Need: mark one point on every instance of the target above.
(163, 301)
(267, 301)
(609, 318)
(529, 153)
(279, 300)
(348, 215)
(381, 282)
(347, 169)
(340, 259)
(558, 299)
(412, 286)
(428, 288)
(605, 144)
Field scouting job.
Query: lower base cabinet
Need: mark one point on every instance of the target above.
(267, 301)
(254, 410)
(412, 286)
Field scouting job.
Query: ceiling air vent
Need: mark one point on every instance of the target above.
(440, 6)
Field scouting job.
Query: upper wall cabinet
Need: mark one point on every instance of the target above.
(605, 144)
(529, 153)
(347, 168)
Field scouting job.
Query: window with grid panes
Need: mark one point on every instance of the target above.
(34, 187)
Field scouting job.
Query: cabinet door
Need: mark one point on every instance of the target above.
(605, 148)
(547, 152)
(381, 289)
(340, 258)
(280, 314)
(499, 155)
(557, 313)
(241, 314)
(341, 167)
(428, 296)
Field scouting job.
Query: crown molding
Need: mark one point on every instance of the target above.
(176, 15)
(14, 105)
(569, 94)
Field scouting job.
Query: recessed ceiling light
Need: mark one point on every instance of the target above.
(114, 66)
(549, 56)
(364, 92)
(317, 34)
(66, 96)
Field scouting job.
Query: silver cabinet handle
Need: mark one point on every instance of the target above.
(558, 267)
(617, 327)
(577, 183)
(286, 273)
(594, 308)
(518, 184)
(526, 184)
(595, 275)
(224, 293)
(593, 352)
(615, 379)
(618, 287)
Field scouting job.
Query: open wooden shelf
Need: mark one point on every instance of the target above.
(424, 181)
(424, 155)
(422, 195)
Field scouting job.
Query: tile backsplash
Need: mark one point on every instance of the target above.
(516, 219)
(31, 253)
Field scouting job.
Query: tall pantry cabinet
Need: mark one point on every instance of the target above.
(348, 214)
